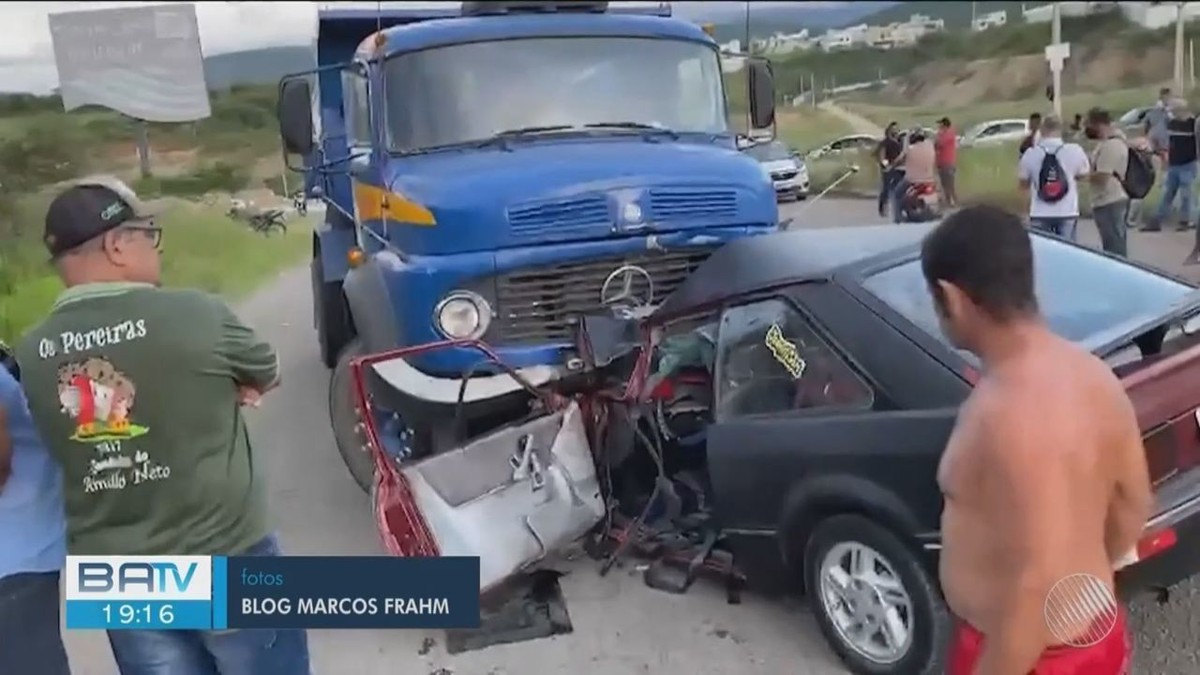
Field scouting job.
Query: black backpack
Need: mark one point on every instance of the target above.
(1052, 184)
(1139, 173)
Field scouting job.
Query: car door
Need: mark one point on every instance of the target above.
(797, 423)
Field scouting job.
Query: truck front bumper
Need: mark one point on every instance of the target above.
(401, 376)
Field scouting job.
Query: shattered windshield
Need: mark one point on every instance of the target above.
(472, 92)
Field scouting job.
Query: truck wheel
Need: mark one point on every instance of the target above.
(330, 313)
(874, 601)
(344, 420)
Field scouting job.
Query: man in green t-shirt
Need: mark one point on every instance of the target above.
(137, 391)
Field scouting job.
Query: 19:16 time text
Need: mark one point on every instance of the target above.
(126, 613)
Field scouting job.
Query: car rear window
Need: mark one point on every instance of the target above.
(1084, 295)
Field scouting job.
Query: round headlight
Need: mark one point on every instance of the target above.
(463, 315)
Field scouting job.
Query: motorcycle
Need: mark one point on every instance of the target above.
(920, 203)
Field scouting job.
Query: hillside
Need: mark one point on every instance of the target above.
(1005, 63)
(256, 66)
(955, 14)
(767, 19)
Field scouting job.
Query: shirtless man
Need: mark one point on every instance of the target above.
(1044, 477)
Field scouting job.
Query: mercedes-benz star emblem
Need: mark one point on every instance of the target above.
(618, 289)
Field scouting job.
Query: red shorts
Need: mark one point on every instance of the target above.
(1109, 656)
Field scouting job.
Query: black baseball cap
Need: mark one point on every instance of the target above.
(88, 208)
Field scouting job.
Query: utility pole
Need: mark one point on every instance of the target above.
(1191, 65)
(1056, 67)
(1179, 25)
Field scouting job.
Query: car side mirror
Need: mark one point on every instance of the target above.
(762, 94)
(294, 110)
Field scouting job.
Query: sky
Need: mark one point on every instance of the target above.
(27, 59)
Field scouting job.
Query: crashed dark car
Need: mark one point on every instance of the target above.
(777, 421)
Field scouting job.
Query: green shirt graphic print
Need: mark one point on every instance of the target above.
(135, 391)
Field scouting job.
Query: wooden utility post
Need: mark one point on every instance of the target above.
(1180, 81)
(143, 146)
(1057, 57)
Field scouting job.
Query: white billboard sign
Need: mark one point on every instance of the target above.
(142, 61)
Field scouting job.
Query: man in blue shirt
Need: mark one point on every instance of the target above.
(32, 541)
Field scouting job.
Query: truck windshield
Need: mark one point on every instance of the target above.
(471, 92)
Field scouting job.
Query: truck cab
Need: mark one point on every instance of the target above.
(492, 172)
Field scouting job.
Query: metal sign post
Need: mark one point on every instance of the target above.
(1056, 56)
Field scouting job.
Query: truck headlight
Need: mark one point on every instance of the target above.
(462, 315)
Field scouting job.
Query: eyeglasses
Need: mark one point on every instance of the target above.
(150, 230)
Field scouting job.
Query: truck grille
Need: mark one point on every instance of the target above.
(561, 218)
(672, 204)
(536, 305)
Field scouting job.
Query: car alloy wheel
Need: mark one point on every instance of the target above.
(866, 601)
(875, 602)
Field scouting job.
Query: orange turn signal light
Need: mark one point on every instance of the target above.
(355, 257)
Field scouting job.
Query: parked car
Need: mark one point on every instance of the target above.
(994, 131)
(788, 171)
(801, 384)
(851, 143)
(1134, 119)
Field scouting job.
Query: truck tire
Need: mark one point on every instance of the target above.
(331, 315)
(344, 419)
(897, 573)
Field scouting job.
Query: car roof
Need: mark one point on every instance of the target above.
(758, 263)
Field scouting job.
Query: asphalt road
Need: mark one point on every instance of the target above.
(620, 626)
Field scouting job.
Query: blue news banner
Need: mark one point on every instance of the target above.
(219, 593)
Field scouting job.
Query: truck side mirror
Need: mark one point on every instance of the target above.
(762, 94)
(294, 111)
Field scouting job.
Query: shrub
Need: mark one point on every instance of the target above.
(48, 150)
(216, 177)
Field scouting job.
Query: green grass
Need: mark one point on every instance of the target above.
(985, 174)
(202, 249)
(806, 128)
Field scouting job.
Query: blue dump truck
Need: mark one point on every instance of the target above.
(492, 171)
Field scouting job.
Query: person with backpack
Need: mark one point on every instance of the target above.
(1119, 173)
(1181, 167)
(1048, 172)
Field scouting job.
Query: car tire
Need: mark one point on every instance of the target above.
(801, 196)
(929, 621)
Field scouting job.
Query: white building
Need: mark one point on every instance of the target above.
(1044, 13)
(1158, 16)
(989, 20)
(836, 40)
(927, 24)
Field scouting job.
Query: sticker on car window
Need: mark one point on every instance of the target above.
(785, 351)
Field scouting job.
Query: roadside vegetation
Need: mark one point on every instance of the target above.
(794, 72)
(195, 169)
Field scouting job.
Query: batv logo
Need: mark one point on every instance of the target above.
(154, 577)
(120, 577)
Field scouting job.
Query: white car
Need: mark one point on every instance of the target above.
(851, 143)
(788, 171)
(994, 131)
